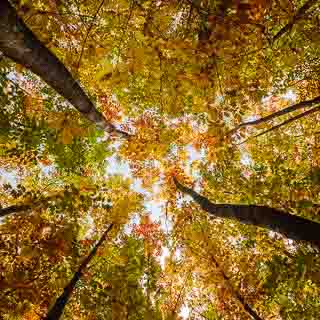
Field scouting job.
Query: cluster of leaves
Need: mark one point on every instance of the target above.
(178, 76)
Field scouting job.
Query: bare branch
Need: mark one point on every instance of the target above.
(297, 106)
(299, 116)
(298, 16)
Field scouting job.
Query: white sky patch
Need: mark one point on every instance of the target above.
(250, 118)
(134, 220)
(193, 154)
(114, 166)
(184, 312)
(290, 95)
(265, 100)
(246, 159)
(182, 199)
(165, 254)
(105, 137)
(227, 120)
(9, 176)
(137, 186)
(220, 99)
(178, 254)
(155, 208)
(176, 21)
(47, 170)
(91, 229)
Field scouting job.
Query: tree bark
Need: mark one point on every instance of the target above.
(291, 226)
(297, 106)
(57, 309)
(18, 43)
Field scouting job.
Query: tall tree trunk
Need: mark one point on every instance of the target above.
(57, 309)
(291, 226)
(19, 43)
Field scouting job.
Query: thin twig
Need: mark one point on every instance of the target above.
(87, 35)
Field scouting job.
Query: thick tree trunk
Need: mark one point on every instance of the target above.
(19, 43)
(291, 226)
(57, 309)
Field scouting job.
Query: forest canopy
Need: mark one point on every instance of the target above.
(159, 159)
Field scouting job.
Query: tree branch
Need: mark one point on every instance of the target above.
(297, 106)
(298, 16)
(87, 34)
(14, 209)
(230, 285)
(301, 115)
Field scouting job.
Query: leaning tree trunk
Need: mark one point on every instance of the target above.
(19, 43)
(57, 309)
(236, 295)
(289, 225)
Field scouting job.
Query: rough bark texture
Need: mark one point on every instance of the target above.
(57, 309)
(19, 43)
(291, 226)
(297, 106)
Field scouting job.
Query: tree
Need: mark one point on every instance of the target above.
(297, 106)
(20, 44)
(189, 85)
(57, 309)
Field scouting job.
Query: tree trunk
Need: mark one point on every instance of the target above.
(57, 309)
(231, 287)
(19, 43)
(291, 226)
